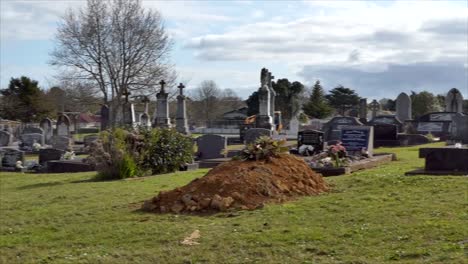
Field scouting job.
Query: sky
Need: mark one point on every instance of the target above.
(378, 48)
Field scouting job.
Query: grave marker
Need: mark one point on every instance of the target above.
(211, 146)
(357, 138)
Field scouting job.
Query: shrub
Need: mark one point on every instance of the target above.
(166, 150)
(116, 154)
(264, 148)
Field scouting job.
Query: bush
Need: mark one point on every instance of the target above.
(166, 150)
(264, 148)
(116, 154)
(120, 154)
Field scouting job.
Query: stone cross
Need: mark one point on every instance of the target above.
(162, 108)
(181, 118)
(374, 107)
(162, 83)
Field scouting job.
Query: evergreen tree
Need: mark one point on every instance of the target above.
(342, 99)
(317, 106)
(23, 100)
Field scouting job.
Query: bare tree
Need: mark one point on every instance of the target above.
(116, 44)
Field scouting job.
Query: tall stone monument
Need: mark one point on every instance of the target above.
(264, 118)
(104, 117)
(46, 125)
(272, 94)
(128, 111)
(363, 110)
(162, 108)
(403, 107)
(181, 117)
(145, 119)
(374, 107)
(454, 101)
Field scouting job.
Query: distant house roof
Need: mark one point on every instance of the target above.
(89, 118)
(236, 114)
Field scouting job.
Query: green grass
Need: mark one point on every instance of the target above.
(373, 216)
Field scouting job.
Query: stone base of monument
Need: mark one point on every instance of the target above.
(368, 163)
(443, 161)
(387, 143)
(412, 139)
(190, 167)
(61, 166)
(211, 163)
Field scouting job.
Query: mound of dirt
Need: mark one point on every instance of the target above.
(241, 185)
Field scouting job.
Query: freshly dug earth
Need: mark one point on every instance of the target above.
(241, 185)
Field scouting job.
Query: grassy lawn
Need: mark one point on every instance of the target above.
(373, 216)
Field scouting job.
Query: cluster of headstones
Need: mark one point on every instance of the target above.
(161, 117)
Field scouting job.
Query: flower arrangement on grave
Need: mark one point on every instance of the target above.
(36, 146)
(19, 165)
(69, 155)
(333, 156)
(264, 148)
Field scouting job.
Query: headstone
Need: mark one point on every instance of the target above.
(374, 106)
(5, 138)
(332, 129)
(386, 135)
(264, 118)
(46, 125)
(63, 125)
(244, 128)
(181, 117)
(254, 133)
(363, 110)
(460, 128)
(87, 140)
(145, 120)
(310, 137)
(211, 146)
(10, 157)
(386, 120)
(61, 142)
(358, 138)
(403, 107)
(128, 113)
(33, 130)
(50, 154)
(294, 126)
(454, 101)
(162, 108)
(104, 117)
(27, 140)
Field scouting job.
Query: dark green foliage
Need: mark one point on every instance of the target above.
(252, 104)
(287, 97)
(23, 100)
(317, 106)
(286, 101)
(166, 150)
(388, 104)
(423, 103)
(342, 99)
(264, 148)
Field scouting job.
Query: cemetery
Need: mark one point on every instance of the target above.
(122, 159)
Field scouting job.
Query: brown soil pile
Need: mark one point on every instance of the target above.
(241, 185)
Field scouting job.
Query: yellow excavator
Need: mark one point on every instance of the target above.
(277, 122)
